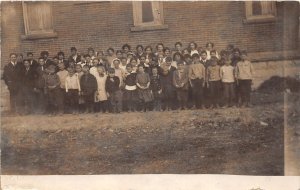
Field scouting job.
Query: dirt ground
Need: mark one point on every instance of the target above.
(246, 141)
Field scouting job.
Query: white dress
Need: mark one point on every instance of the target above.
(100, 94)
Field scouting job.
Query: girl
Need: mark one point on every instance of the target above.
(134, 64)
(149, 54)
(101, 95)
(193, 48)
(209, 48)
(144, 92)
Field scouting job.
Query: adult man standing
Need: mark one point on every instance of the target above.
(11, 77)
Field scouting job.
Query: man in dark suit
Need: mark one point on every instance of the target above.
(33, 63)
(74, 57)
(11, 77)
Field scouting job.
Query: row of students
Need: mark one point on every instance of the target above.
(141, 86)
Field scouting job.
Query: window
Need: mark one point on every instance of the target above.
(38, 20)
(260, 11)
(148, 15)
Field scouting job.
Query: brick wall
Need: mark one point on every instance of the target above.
(107, 24)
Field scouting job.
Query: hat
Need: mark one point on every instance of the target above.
(73, 49)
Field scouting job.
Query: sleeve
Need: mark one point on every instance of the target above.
(117, 79)
(221, 73)
(203, 72)
(4, 75)
(236, 71)
(78, 83)
(66, 85)
(174, 79)
(190, 71)
(94, 82)
(252, 70)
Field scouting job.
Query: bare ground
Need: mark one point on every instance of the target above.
(246, 141)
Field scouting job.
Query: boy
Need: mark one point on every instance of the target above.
(88, 86)
(72, 90)
(61, 58)
(214, 82)
(155, 86)
(196, 77)
(130, 93)
(53, 91)
(40, 87)
(227, 77)
(74, 56)
(244, 76)
(78, 70)
(144, 64)
(180, 81)
(62, 75)
(33, 63)
(28, 77)
(112, 86)
(204, 59)
(168, 90)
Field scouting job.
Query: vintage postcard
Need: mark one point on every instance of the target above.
(150, 87)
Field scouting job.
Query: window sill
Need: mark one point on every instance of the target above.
(148, 28)
(39, 36)
(259, 19)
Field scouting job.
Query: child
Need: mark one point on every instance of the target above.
(244, 76)
(144, 93)
(93, 69)
(144, 64)
(130, 93)
(178, 47)
(101, 95)
(155, 86)
(88, 86)
(119, 54)
(227, 77)
(123, 63)
(149, 54)
(28, 75)
(110, 56)
(78, 70)
(167, 52)
(39, 87)
(119, 72)
(160, 49)
(168, 90)
(180, 81)
(62, 75)
(53, 90)
(126, 48)
(139, 50)
(177, 57)
(214, 82)
(193, 48)
(133, 63)
(112, 86)
(197, 81)
(73, 90)
(209, 49)
(204, 59)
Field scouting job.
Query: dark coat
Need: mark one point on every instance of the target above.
(112, 86)
(88, 84)
(28, 77)
(11, 76)
(78, 59)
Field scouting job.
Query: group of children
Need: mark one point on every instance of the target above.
(127, 80)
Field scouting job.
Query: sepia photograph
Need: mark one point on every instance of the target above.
(150, 87)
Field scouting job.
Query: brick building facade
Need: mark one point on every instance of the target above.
(111, 24)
